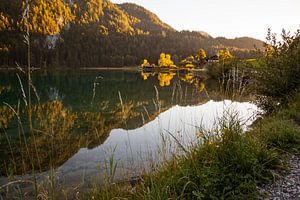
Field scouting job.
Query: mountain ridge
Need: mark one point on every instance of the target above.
(102, 33)
(144, 16)
(142, 21)
(130, 7)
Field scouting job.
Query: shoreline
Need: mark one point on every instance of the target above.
(134, 68)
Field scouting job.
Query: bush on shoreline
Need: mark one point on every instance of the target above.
(279, 75)
(232, 166)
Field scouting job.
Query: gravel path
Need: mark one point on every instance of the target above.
(286, 188)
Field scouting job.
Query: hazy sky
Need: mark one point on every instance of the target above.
(229, 18)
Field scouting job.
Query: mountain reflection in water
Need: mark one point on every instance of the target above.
(138, 148)
(85, 118)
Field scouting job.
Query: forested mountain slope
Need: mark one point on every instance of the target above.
(95, 33)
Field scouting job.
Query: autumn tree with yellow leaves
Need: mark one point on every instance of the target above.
(165, 60)
(189, 62)
(195, 60)
(200, 55)
(269, 50)
(145, 63)
(225, 55)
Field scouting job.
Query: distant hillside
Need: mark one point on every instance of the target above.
(115, 19)
(242, 42)
(95, 33)
(147, 22)
(144, 19)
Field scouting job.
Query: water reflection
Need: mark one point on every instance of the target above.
(78, 111)
(144, 147)
(81, 118)
(6, 115)
(165, 78)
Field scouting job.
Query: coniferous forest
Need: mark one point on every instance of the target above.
(98, 33)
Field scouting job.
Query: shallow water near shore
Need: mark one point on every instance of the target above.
(97, 126)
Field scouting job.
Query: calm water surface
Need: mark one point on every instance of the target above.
(85, 121)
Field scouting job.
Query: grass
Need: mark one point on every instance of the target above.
(229, 166)
(281, 130)
(277, 132)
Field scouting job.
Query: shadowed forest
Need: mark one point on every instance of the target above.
(98, 33)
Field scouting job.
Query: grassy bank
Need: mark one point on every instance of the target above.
(229, 166)
(233, 164)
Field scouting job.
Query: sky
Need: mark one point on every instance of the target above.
(228, 18)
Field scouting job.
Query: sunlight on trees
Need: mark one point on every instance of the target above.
(225, 55)
(190, 78)
(4, 22)
(195, 60)
(5, 25)
(200, 55)
(88, 11)
(47, 17)
(145, 63)
(188, 62)
(165, 60)
(97, 26)
(269, 50)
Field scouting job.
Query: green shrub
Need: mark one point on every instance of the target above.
(279, 133)
(279, 75)
(292, 112)
(228, 168)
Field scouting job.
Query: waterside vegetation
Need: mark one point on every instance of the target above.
(231, 164)
(226, 162)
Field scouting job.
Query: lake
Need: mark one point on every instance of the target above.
(93, 126)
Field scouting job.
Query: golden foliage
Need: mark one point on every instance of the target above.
(269, 50)
(54, 118)
(4, 22)
(145, 63)
(199, 86)
(124, 111)
(88, 10)
(188, 62)
(165, 60)
(225, 55)
(47, 16)
(200, 55)
(4, 49)
(145, 75)
(188, 77)
(6, 115)
(94, 121)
